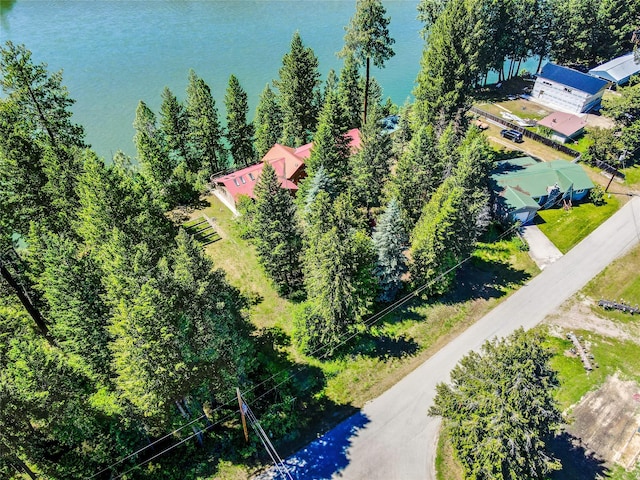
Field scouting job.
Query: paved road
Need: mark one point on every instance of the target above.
(392, 438)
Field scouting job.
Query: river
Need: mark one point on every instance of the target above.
(115, 53)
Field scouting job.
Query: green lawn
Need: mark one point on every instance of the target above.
(632, 177)
(566, 228)
(613, 356)
(385, 353)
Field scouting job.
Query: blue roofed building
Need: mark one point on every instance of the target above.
(568, 90)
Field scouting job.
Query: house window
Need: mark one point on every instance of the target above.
(243, 180)
(578, 192)
(235, 180)
(252, 177)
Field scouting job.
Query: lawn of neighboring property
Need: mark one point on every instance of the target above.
(613, 355)
(632, 177)
(566, 228)
(397, 344)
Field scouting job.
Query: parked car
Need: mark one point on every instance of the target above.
(512, 135)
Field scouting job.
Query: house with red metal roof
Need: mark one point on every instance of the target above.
(564, 126)
(288, 162)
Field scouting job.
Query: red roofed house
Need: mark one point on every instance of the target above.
(288, 163)
(564, 126)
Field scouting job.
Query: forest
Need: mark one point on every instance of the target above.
(118, 334)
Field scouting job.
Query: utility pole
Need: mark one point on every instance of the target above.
(10, 266)
(242, 412)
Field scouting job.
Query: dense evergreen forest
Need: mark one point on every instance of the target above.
(116, 328)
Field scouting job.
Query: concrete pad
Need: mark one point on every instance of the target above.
(541, 250)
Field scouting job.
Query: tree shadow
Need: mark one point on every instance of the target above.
(577, 461)
(485, 279)
(324, 457)
(383, 346)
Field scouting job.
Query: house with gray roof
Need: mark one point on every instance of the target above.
(568, 90)
(522, 186)
(619, 70)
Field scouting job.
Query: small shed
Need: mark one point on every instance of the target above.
(619, 70)
(564, 126)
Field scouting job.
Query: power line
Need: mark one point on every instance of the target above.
(368, 323)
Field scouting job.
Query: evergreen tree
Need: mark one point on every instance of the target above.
(176, 334)
(156, 166)
(390, 240)
(204, 133)
(320, 181)
(331, 84)
(454, 217)
(338, 261)
(43, 101)
(368, 39)
(173, 126)
(298, 85)
(350, 92)
(442, 90)
(278, 240)
(239, 132)
(370, 166)
(268, 122)
(418, 174)
(500, 410)
(41, 148)
(330, 144)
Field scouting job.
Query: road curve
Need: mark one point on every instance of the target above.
(392, 438)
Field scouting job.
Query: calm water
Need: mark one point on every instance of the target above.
(115, 53)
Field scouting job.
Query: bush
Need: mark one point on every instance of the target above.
(596, 196)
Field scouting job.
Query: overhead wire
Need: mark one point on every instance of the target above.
(373, 319)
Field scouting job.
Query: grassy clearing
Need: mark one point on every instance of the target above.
(527, 147)
(614, 356)
(379, 357)
(632, 177)
(566, 228)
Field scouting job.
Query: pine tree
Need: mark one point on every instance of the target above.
(177, 333)
(390, 240)
(367, 39)
(339, 281)
(330, 144)
(43, 101)
(441, 90)
(417, 175)
(500, 410)
(370, 166)
(239, 132)
(156, 166)
(173, 126)
(204, 133)
(278, 240)
(350, 92)
(268, 122)
(41, 142)
(298, 85)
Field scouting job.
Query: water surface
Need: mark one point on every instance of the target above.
(115, 53)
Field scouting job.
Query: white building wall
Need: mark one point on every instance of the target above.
(562, 97)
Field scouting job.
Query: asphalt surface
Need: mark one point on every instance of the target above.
(392, 438)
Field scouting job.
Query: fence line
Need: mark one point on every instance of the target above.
(610, 169)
